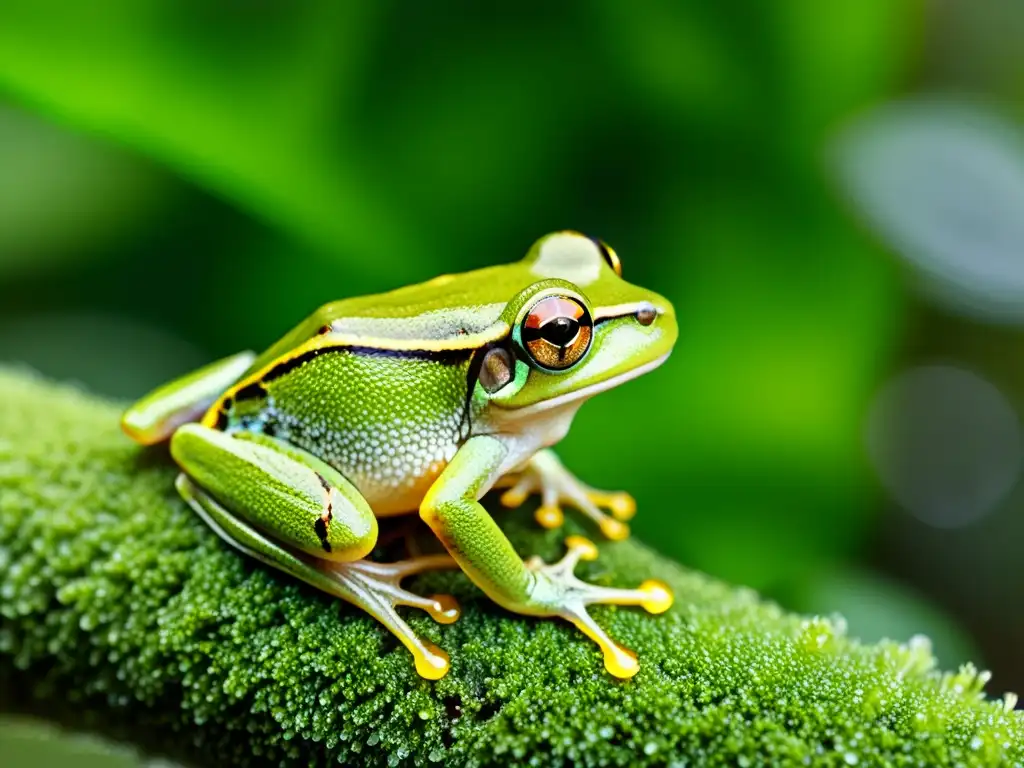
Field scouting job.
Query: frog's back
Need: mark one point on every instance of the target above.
(450, 312)
(454, 312)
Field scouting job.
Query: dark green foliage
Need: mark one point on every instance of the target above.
(273, 156)
(114, 595)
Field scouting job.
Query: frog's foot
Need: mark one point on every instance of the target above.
(546, 475)
(376, 588)
(562, 594)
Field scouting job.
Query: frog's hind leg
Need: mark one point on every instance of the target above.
(245, 484)
(545, 474)
(373, 587)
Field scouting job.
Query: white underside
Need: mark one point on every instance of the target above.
(546, 423)
(594, 389)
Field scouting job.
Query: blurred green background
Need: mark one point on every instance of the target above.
(181, 180)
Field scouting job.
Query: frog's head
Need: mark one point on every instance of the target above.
(577, 329)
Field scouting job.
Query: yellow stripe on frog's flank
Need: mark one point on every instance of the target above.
(331, 340)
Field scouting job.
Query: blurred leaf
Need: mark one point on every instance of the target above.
(877, 608)
(835, 58)
(775, 77)
(943, 183)
(109, 355)
(65, 198)
(975, 48)
(232, 97)
(417, 142)
(680, 57)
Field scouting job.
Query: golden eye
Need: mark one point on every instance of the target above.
(557, 332)
(610, 256)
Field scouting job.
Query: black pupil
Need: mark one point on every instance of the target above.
(560, 331)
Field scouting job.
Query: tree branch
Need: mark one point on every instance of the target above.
(116, 598)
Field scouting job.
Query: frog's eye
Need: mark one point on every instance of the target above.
(557, 332)
(610, 256)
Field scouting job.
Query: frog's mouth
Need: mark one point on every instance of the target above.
(589, 391)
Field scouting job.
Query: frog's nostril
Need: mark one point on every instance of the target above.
(646, 314)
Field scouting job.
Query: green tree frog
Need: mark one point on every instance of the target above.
(422, 399)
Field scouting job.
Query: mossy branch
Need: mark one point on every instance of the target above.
(115, 597)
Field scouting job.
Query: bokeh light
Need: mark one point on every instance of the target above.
(945, 443)
(943, 182)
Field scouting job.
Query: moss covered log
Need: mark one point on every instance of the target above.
(116, 599)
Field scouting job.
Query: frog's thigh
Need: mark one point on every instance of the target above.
(155, 417)
(236, 483)
(304, 503)
(533, 588)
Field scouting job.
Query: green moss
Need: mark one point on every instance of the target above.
(115, 597)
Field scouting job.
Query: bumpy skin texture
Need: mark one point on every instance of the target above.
(115, 596)
(389, 424)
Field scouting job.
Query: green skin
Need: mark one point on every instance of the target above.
(376, 406)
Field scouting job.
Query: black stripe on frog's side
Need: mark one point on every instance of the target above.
(250, 391)
(472, 375)
(443, 356)
(222, 417)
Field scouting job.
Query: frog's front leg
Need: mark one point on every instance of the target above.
(292, 511)
(546, 475)
(453, 511)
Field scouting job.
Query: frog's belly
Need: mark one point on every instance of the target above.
(391, 500)
(393, 467)
(392, 464)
